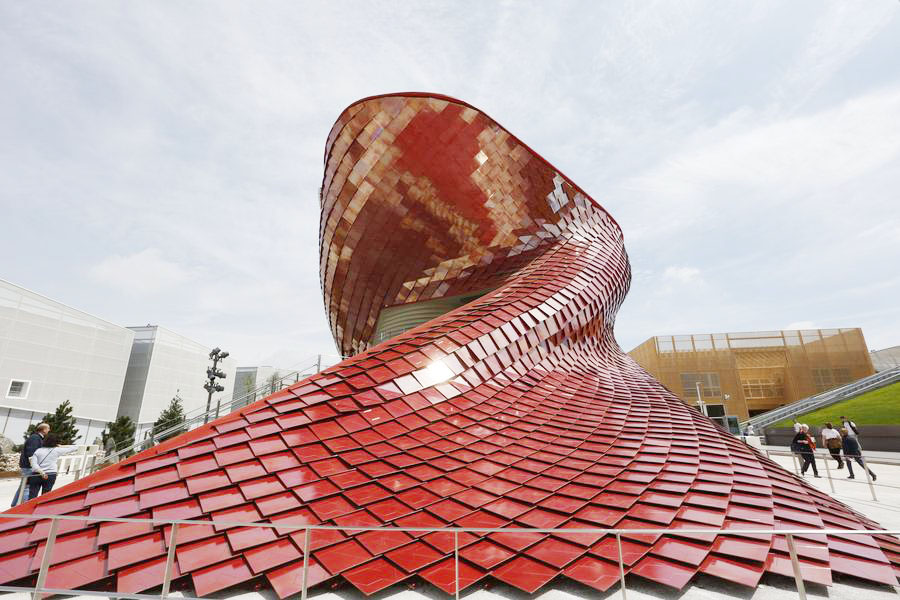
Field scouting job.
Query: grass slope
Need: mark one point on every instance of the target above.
(878, 407)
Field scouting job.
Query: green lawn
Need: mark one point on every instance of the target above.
(878, 407)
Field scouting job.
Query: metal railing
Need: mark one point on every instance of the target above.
(40, 585)
(827, 458)
(844, 392)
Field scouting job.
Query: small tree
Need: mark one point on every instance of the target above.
(62, 424)
(274, 382)
(170, 417)
(122, 432)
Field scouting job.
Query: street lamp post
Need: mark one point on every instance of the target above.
(700, 403)
(212, 375)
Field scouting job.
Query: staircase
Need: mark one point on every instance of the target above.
(850, 390)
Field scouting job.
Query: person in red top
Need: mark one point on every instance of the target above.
(804, 445)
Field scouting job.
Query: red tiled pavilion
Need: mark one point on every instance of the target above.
(517, 409)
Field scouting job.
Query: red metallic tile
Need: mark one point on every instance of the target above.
(16, 565)
(413, 557)
(318, 489)
(135, 550)
(598, 574)
(19, 538)
(731, 570)
(741, 548)
(288, 580)
(196, 466)
(114, 532)
(245, 513)
(556, 552)
(341, 557)
(525, 574)
(486, 554)
(374, 576)
(74, 574)
(244, 471)
(682, 551)
(218, 577)
(277, 503)
(608, 548)
(295, 518)
(184, 510)
(273, 554)
(264, 486)
(69, 547)
(113, 491)
(201, 554)
(664, 572)
(444, 576)
(208, 481)
(240, 538)
(379, 542)
(163, 495)
(143, 576)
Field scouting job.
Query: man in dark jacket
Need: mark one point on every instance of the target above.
(853, 452)
(34, 441)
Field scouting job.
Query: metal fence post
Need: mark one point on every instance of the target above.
(828, 473)
(865, 467)
(305, 563)
(795, 562)
(170, 562)
(45, 560)
(621, 565)
(20, 497)
(456, 561)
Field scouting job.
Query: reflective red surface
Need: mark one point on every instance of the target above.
(517, 409)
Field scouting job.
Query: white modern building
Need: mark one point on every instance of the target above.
(163, 364)
(253, 383)
(50, 353)
(888, 358)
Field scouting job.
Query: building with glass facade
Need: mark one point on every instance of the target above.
(745, 374)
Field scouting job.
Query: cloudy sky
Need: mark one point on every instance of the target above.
(160, 161)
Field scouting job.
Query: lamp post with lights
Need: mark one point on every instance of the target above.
(213, 374)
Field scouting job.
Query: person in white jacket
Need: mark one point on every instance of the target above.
(43, 465)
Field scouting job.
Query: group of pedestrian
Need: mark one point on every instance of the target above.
(38, 463)
(835, 440)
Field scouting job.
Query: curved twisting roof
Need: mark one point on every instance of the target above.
(517, 409)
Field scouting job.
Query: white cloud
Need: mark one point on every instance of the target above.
(145, 272)
(682, 274)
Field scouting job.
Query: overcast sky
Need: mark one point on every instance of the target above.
(160, 161)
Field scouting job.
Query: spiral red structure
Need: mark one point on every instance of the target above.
(514, 409)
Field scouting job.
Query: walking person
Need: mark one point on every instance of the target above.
(34, 441)
(850, 426)
(43, 465)
(831, 439)
(852, 452)
(804, 445)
